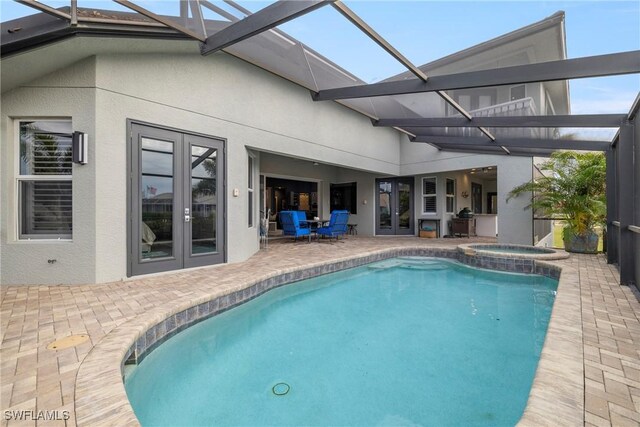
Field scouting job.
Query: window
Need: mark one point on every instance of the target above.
(250, 184)
(344, 197)
(44, 180)
(451, 195)
(473, 99)
(429, 195)
(517, 92)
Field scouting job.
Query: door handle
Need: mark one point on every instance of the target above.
(187, 218)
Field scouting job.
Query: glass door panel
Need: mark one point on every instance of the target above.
(203, 199)
(404, 206)
(385, 205)
(476, 198)
(156, 190)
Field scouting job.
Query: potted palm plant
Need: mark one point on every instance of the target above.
(572, 190)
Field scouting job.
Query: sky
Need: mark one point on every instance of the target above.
(427, 30)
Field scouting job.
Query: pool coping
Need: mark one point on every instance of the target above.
(557, 394)
(477, 249)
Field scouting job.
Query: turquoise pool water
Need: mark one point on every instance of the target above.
(407, 341)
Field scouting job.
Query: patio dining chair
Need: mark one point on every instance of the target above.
(291, 225)
(302, 219)
(337, 225)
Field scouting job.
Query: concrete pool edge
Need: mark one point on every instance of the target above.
(100, 396)
(557, 393)
(485, 250)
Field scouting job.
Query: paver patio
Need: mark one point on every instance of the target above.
(35, 378)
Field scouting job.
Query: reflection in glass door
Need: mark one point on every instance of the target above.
(176, 200)
(156, 219)
(394, 206)
(203, 199)
(384, 207)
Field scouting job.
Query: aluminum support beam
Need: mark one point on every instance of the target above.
(44, 8)
(532, 143)
(196, 12)
(161, 19)
(585, 121)
(492, 149)
(625, 182)
(184, 12)
(378, 39)
(271, 16)
(220, 11)
(590, 66)
(612, 209)
(74, 12)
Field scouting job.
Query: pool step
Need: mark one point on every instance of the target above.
(411, 263)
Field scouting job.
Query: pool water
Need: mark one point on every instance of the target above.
(406, 341)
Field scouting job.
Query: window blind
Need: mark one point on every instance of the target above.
(44, 183)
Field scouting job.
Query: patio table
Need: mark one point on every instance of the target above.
(314, 224)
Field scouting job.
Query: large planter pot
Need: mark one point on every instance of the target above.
(581, 243)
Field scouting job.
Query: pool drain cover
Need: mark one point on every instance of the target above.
(66, 342)
(281, 389)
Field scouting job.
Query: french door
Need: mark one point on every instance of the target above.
(176, 200)
(476, 198)
(394, 206)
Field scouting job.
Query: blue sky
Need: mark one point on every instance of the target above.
(427, 30)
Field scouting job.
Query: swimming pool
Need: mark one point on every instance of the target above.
(402, 341)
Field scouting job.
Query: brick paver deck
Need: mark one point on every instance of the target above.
(34, 378)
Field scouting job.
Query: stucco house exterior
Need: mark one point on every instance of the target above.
(182, 147)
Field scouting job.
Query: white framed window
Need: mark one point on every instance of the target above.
(429, 195)
(451, 195)
(250, 188)
(44, 179)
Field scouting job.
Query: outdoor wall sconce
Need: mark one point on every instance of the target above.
(464, 194)
(80, 148)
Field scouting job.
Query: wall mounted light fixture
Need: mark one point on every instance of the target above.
(80, 147)
(464, 194)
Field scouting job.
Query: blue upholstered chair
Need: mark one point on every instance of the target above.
(291, 225)
(302, 219)
(337, 225)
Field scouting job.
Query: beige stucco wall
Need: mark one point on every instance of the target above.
(515, 223)
(216, 95)
(28, 261)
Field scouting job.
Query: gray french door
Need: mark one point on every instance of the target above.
(176, 200)
(394, 206)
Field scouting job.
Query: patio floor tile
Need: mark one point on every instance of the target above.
(31, 317)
